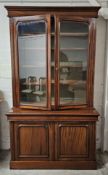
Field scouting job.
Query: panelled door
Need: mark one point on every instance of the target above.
(74, 141)
(34, 141)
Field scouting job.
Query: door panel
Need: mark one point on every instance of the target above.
(72, 141)
(32, 141)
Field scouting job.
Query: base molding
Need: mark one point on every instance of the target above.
(79, 165)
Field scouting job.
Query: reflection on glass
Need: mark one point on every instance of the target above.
(73, 43)
(52, 59)
(32, 62)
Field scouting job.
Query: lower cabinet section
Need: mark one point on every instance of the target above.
(53, 144)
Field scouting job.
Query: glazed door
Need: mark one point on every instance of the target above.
(74, 80)
(32, 55)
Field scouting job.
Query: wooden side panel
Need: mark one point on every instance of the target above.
(91, 62)
(32, 141)
(12, 143)
(72, 141)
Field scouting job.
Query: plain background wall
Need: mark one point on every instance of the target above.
(6, 79)
(99, 75)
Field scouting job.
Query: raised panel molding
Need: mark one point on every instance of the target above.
(33, 140)
(74, 136)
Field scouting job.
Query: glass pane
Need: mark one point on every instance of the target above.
(52, 58)
(32, 62)
(73, 43)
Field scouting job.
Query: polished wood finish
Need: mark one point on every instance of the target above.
(79, 14)
(15, 61)
(51, 137)
(58, 136)
(81, 114)
(81, 164)
(76, 139)
(91, 63)
(14, 11)
(33, 141)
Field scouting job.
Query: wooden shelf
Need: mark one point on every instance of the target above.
(76, 48)
(33, 66)
(31, 35)
(68, 64)
(71, 34)
(71, 101)
(33, 83)
(41, 103)
(70, 82)
(30, 48)
(62, 64)
(70, 49)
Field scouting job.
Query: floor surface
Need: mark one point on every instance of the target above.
(102, 162)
